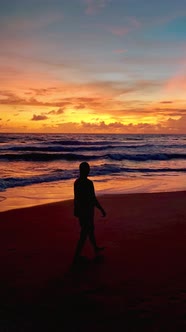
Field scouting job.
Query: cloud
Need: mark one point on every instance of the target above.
(109, 101)
(163, 127)
(178, 126)
(119, 31)
(39, 117)
(134, 22)
(56, 112)
(115, 127)
(177, 82)
(172, 112)
(120, 51)
(131, 24)
(149, 59)
(43, 91)
(94, 6)
(12, 99)
(171, 16)
(26, 24)
(166, 102)
(77, 95)
(79, 107)
(169, 126)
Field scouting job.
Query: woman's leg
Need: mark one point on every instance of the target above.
(82, 239)
(92, 239)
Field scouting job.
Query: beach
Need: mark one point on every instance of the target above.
(138, 284)
(92, 105)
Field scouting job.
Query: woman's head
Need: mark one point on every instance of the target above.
(84, 169)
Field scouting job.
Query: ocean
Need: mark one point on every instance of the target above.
(39, 168)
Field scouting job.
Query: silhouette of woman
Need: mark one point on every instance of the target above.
(84, 203)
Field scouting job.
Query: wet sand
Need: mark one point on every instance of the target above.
(139, 284)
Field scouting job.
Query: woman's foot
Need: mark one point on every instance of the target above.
(99, 249)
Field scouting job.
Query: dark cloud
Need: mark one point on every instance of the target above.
(79, 107)
(117, 109)
(43, 92)
(116, 127)
(39, 117)
(177, 125)
(166, 126)
(105, 92)
(77, 102)
(56, 112)
(168, 111)
(166, 102)
(15, 100)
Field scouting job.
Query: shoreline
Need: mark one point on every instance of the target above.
(33, 195)
(101, 196)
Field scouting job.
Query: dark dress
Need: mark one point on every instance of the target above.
(84, 201)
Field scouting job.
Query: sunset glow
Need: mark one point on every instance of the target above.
(93, 66)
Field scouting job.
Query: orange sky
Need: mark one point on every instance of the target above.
(86, 69)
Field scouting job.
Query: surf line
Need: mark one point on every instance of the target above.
(2, 198)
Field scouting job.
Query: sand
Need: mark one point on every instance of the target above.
(138, 285)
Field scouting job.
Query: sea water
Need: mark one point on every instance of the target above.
(39, 168)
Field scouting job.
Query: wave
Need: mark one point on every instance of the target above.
(146, 157)
(78, 142)
(53, 140)
(79, 157)
(71, 148)
(55, 175)
(59, 148)
(46, 157)
(56, 148)
(61, 175)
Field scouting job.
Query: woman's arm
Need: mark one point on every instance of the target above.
(96, 202)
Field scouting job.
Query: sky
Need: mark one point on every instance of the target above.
(93, 66)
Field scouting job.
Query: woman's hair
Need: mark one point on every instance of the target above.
(84, 168)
